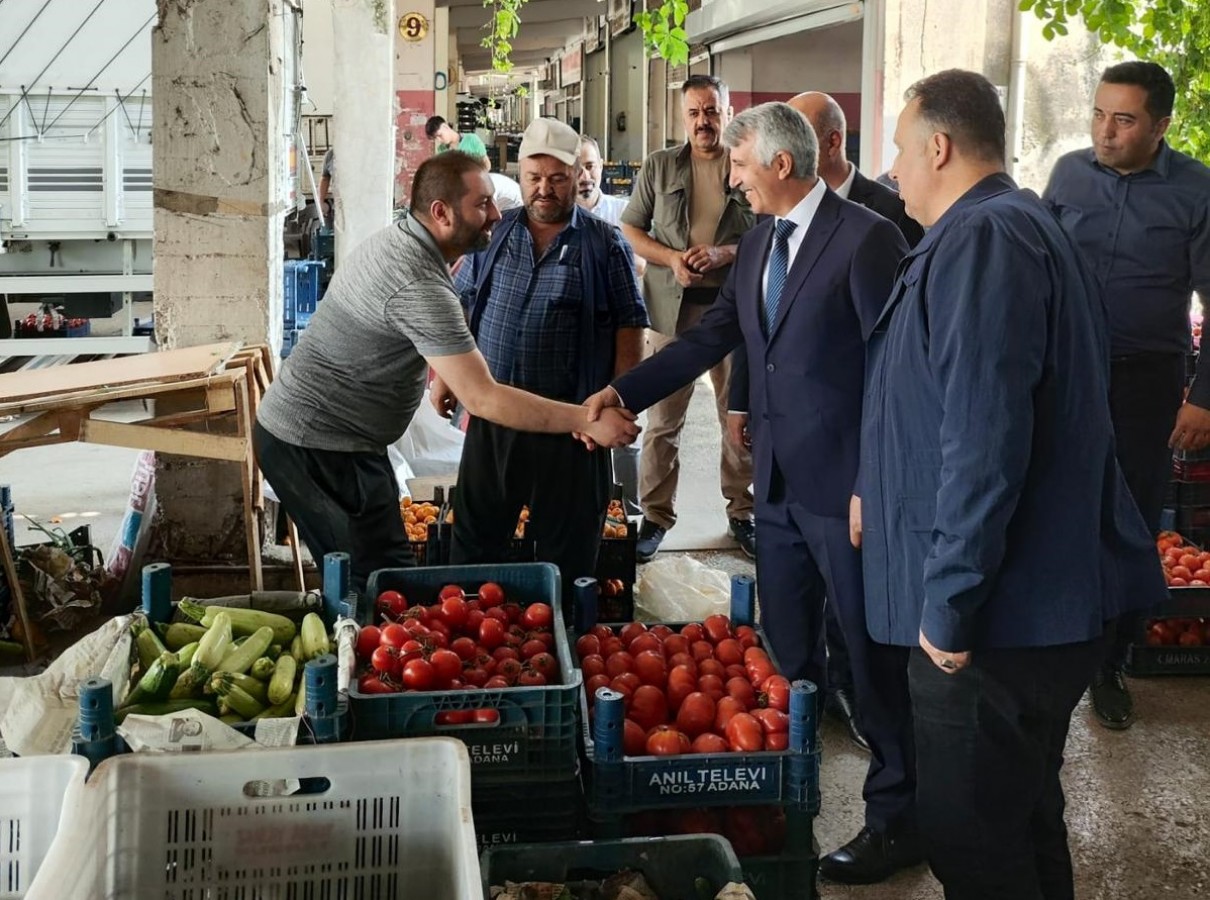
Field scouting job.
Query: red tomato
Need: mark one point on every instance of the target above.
(454, 612)
(502, 653)
(394, 636)
(777, 740)
(630, 631)
(368, 638)
(1181, 572)
(530, 678)
(696, 714)
(661, 631)
(681, 683)
(592, 665)
(537, 615)
(744, 733)
(385, 661)
(693, 632)
(760, 672)
(513, 611)
(773, 721)
(708, 742)
(546, 664)
(776, 689)
(418, 675)
(725, 709)
(746, 635)
(464, 647)
(651, 668)
(735, 672)
(475, 676)
(711, 667)
(683, 659)
(618, 663)
(1190, 638)
(454, 717)
(634, 738)
(643, 642)
(664, 740)
(717, 627)
(490, 594)
(391, 605)
(447, 665)
(593, 684)
(649, 707)
(414, 627)
(729, 652)
(712, 685)
(602, 632)
(495, 683)
(498, 614)
(372, 684)
(474, 618)
(611, 645)
(587, 645)
(491, 633)
(741, 689)
(509, 670)
(629, 679)
(674, 644)
(532, 648)
(546, 637)
(1189, 561)
(702, 650)
(450, 590)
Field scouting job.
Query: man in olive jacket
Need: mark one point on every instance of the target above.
(685, 220)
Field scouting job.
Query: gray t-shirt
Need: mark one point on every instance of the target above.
(357, 374)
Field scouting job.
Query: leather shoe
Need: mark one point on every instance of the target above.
(650, 537)
(872, 857)
(841, 707)
(1111, 701)
(744, 532)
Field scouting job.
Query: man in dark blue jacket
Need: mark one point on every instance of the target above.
(987, 467)
(807, 285)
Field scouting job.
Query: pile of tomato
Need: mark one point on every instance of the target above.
(461, 642)
(1178, 633)
(752, 830)
(1184, 564)
(705, 688)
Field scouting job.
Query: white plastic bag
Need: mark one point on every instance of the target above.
(431, 445)
(681, 589)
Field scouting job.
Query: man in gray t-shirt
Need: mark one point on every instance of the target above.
(351, 385)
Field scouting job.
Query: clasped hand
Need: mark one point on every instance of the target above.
(610, 424)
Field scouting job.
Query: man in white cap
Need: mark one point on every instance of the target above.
(555, 308)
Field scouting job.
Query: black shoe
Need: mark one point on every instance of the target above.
(1111, 701)
(871, 857)
(744, 532)
(649, 540)
(841, 707)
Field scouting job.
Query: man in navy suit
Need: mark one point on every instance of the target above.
(987, 466)
(807, 285)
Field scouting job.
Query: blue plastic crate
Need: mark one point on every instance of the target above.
(301, 291)
(535, 736)
(671, 865)
(289, 340)
(790, 777)
(527, 812)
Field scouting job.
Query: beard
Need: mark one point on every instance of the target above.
(549, 213)
(469, 236)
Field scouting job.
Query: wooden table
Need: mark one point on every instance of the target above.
(216, 385)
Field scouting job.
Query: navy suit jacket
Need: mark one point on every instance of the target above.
(887, 203)
(994, 513)
(806, 376)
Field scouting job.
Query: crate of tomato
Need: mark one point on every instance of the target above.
(471, 652)
(1176, 639)
(617, 560)
(693, 714)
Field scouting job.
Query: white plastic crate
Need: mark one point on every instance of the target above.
(379, 820)
(34, 791)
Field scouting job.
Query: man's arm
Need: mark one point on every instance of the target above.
(467, 376)
(628, 350)
(987, 310)
(872, 273)
(626, 306)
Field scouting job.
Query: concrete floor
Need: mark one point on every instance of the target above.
(1137, 800)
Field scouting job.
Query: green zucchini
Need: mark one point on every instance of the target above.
(149, 645)
(243, 621)
(253, 648)
(262, 669)
(157, 681)
(164, 708)
(179, 634)
(314, 637)
(281, 685)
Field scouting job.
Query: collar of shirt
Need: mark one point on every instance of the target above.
(847, 185)
(991, 186)
(1160, 165)
(802, 215)
(416, 229)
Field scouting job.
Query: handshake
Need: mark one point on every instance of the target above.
(609, 423)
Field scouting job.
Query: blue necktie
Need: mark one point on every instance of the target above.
(779, 264)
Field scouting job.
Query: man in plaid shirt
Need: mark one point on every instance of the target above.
(556, 309)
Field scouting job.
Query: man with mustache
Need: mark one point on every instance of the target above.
(686, 221)
(555, 308)
(350, 387)
(1140, 211)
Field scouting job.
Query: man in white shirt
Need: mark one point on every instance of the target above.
(588, 189)
(807, 286)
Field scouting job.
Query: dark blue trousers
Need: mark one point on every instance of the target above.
(804, 558)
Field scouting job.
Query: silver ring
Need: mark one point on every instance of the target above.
(948, 664)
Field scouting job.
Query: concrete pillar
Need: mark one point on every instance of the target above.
(362, 35)
(220, 162)
(415, 65)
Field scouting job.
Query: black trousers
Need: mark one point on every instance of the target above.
(341, 502)
(989, 747)
(1145, 393)
(565, 486)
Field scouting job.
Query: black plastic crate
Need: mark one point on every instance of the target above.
(617, 560)
(534, 737)
(527, 812)
(670, 865)
(1142, 660)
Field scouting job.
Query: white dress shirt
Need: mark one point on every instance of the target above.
(802, 215)
(610, 208)
(847, 184)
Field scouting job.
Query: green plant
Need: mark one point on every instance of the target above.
(501, 28)
(664, 32)
(1173, 33)
(379, 8)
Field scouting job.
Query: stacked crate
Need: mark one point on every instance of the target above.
(6, 522)
(524, 767)
(300, 298)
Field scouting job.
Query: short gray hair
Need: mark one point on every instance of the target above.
(777, 127)
(586, 140)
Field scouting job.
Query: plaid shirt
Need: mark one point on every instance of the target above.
(529, 332)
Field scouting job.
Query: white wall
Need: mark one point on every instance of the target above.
(626, 83)
(821, 60)
(318, 56)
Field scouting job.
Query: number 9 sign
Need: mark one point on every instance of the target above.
(413, 26)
